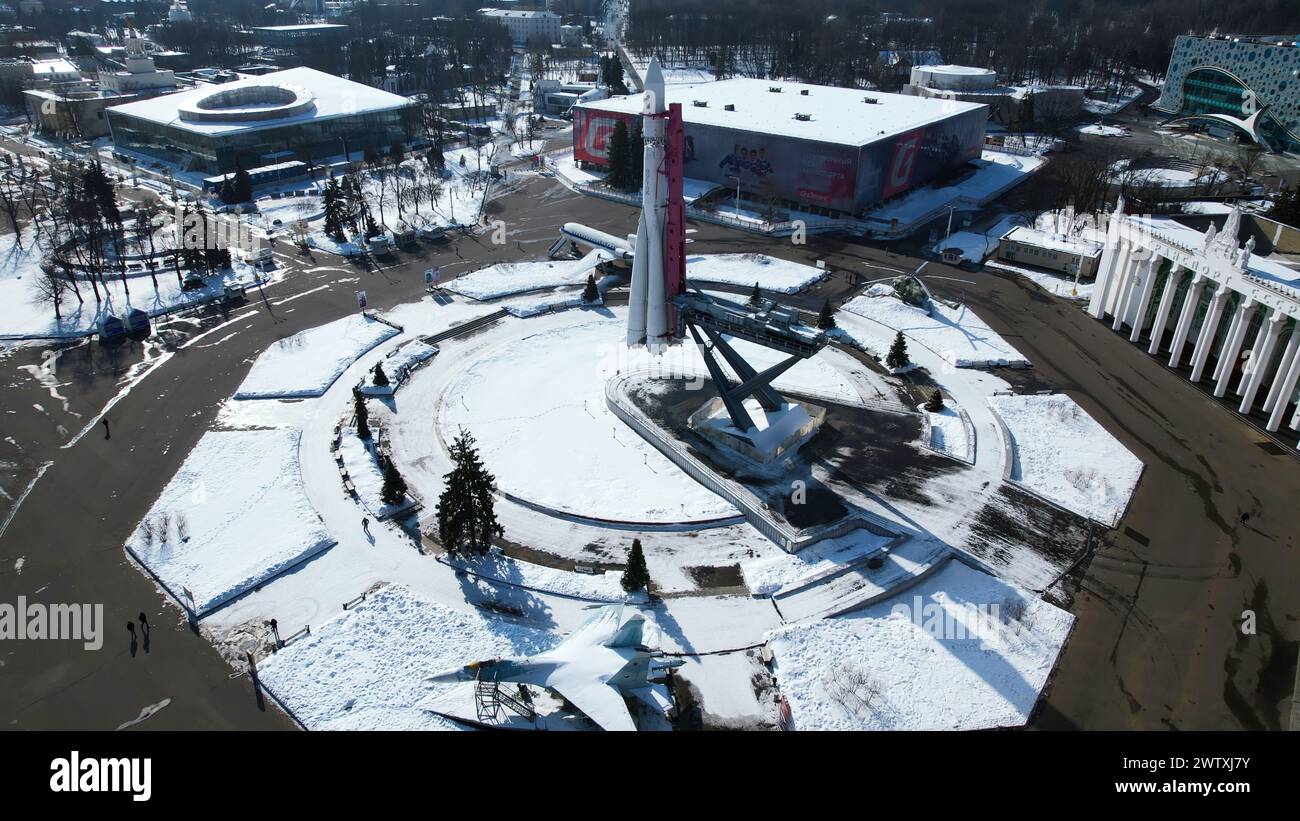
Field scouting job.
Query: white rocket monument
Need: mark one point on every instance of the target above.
(648, 320)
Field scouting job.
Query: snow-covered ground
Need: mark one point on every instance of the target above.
(1061, 453)
(24, 315)
(1102, 130)
(308, 362)
(771, 273)
(604, 586)
(509, 278)
(555, 379)
(948, 433)
(1053, 283)
(977, 245)
(233, 516)
(769, 575)
(1166, 177)
(363, 469)
(365, 669)
(398, 366)
(960, 337)
(881, 669)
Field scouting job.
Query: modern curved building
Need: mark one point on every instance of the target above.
(1248, 87)
(299, 114)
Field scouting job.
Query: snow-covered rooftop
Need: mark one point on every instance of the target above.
(836, 115)
(332, 97)
(1055, 242)
(1179, 234)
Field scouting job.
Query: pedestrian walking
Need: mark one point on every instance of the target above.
(107, 434)
(130, 628)
(365, 523)
(144, 621)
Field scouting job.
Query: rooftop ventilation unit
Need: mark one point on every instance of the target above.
(774, 89)
(803, 91)
(871, 100)
(700, 103)
(729, 107)
(803, 118)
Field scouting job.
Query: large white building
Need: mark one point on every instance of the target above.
(1207, 304)
(525, 26)
(300, 112)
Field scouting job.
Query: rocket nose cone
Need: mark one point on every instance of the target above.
(654, 78)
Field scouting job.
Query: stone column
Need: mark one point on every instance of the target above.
(1161, 323)
(1230, 351)
(1288, 372)
(1106, 274)
(1260, 354)
(1185, 317)
(1150, 274)
(1124, 289)
(1227, 340)
(1283, 365)
(1205, 339)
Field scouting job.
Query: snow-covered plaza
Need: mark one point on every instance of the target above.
(972, 505)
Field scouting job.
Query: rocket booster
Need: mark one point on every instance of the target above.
(647, 322)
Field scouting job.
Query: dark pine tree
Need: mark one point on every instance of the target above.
(619, 150)
(635, 158)
(1286, 208)
(394, 489)
(363, 416)
(935, 403)
(756, 296)
(636, 576)
(826, 317)
(590, 293)
(897, 357)
(467, 520)
(381, 378)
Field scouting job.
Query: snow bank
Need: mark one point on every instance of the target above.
(509, 278)
(233, 516)
(957, 335)
(308, 362)
(366, 667)
(605, 587)
(398, 365)
(363, 469)
(1061, 453)
(771, 273)
(770, 575)
(878, 669)
(948, 433)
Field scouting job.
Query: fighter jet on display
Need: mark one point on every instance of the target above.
(604, 661)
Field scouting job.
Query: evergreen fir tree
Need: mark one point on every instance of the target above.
(363, 415)
(394, 489)
(1286, 207)
(935, 403)
(591, 293)
(242, 188)
(826, 318)
(635, 158)
(467, 521)
(335, 210)
(381, 378)
(897, 357)
(636, 576)
(619, 149)
(755, 297)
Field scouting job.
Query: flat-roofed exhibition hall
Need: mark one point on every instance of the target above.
(841, 149)
(216, 128)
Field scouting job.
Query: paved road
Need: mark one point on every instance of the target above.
(1155, 645)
